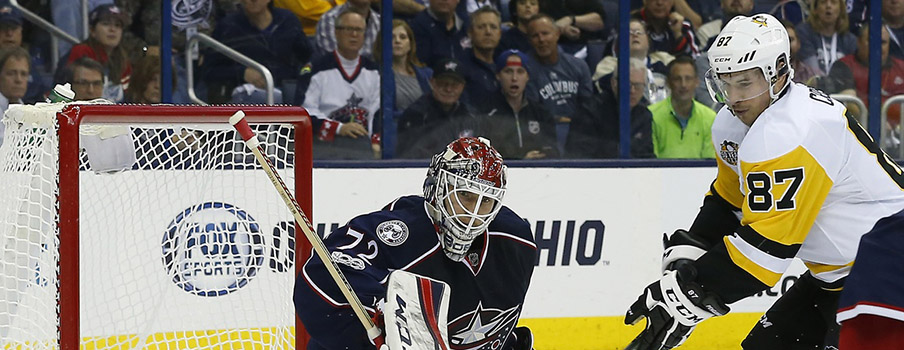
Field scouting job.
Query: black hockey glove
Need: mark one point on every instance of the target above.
(673, 306)
(524, 339)
(681, 248)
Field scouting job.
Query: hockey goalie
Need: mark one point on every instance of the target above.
(457, 237)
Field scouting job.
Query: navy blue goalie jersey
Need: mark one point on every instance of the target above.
(487, 287)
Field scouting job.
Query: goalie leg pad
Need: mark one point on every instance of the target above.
(416, 312)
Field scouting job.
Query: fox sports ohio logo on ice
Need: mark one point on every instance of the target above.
(213, 249)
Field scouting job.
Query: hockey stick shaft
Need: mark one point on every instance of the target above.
(241, 125)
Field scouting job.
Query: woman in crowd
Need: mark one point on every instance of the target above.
(104, 45)
(824, 37)
(411, 77)
(803, 73)
(145, 84)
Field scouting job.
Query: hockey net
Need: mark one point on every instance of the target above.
(158, 232)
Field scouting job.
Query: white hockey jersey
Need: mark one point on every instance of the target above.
(809, 181)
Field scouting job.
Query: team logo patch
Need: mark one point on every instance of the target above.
(465, 42)
(392, 232)
(760, 19)
(351, 112)
(533, 127)
(190, 12)
(729, 152)
(483, 328)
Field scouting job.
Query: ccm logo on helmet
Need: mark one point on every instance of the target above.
(722, 59)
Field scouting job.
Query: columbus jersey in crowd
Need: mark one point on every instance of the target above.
(809, 182)
(487, 287)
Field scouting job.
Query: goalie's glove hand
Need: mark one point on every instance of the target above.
(681, 248)
(524, 339)
(673, 306)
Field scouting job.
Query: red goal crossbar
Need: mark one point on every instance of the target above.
(72, 116)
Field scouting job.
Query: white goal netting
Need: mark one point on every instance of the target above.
(183, 243)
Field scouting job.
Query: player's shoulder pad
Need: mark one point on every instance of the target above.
(402, 223)
(508, 223)
(802, 115)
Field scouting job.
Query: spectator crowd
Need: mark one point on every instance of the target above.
(537, 77)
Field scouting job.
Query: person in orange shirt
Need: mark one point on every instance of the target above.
(309, 11)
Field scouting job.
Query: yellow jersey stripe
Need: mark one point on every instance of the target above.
(765, 267)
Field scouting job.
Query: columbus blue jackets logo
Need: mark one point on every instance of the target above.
(482, 329)
(392, 232)
(191, 12)
(729, 152)
(351, 112)
(212, 249)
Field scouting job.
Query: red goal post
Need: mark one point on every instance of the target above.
(203, 145)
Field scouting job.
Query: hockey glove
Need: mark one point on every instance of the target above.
(681, 248)
(524, 339)
(673, 306)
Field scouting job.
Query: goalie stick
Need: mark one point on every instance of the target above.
(241, 125)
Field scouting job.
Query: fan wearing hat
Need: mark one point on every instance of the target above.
(10, 27)
(104, 45)
(439, 117)
(11, 40)
(520, 127)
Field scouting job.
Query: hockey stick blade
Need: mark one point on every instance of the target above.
(250, 138)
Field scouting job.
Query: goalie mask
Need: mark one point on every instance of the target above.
(463, 192)
(758, 42)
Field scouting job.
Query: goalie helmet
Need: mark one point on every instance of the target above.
(759, 41)
(463, 192)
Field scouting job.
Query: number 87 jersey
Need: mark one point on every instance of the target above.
(809, 181)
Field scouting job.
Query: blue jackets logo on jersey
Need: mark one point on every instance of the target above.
(483, 329)
(392, 232)
(212, 249)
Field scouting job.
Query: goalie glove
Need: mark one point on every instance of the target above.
(673, 306)
(681, 248)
